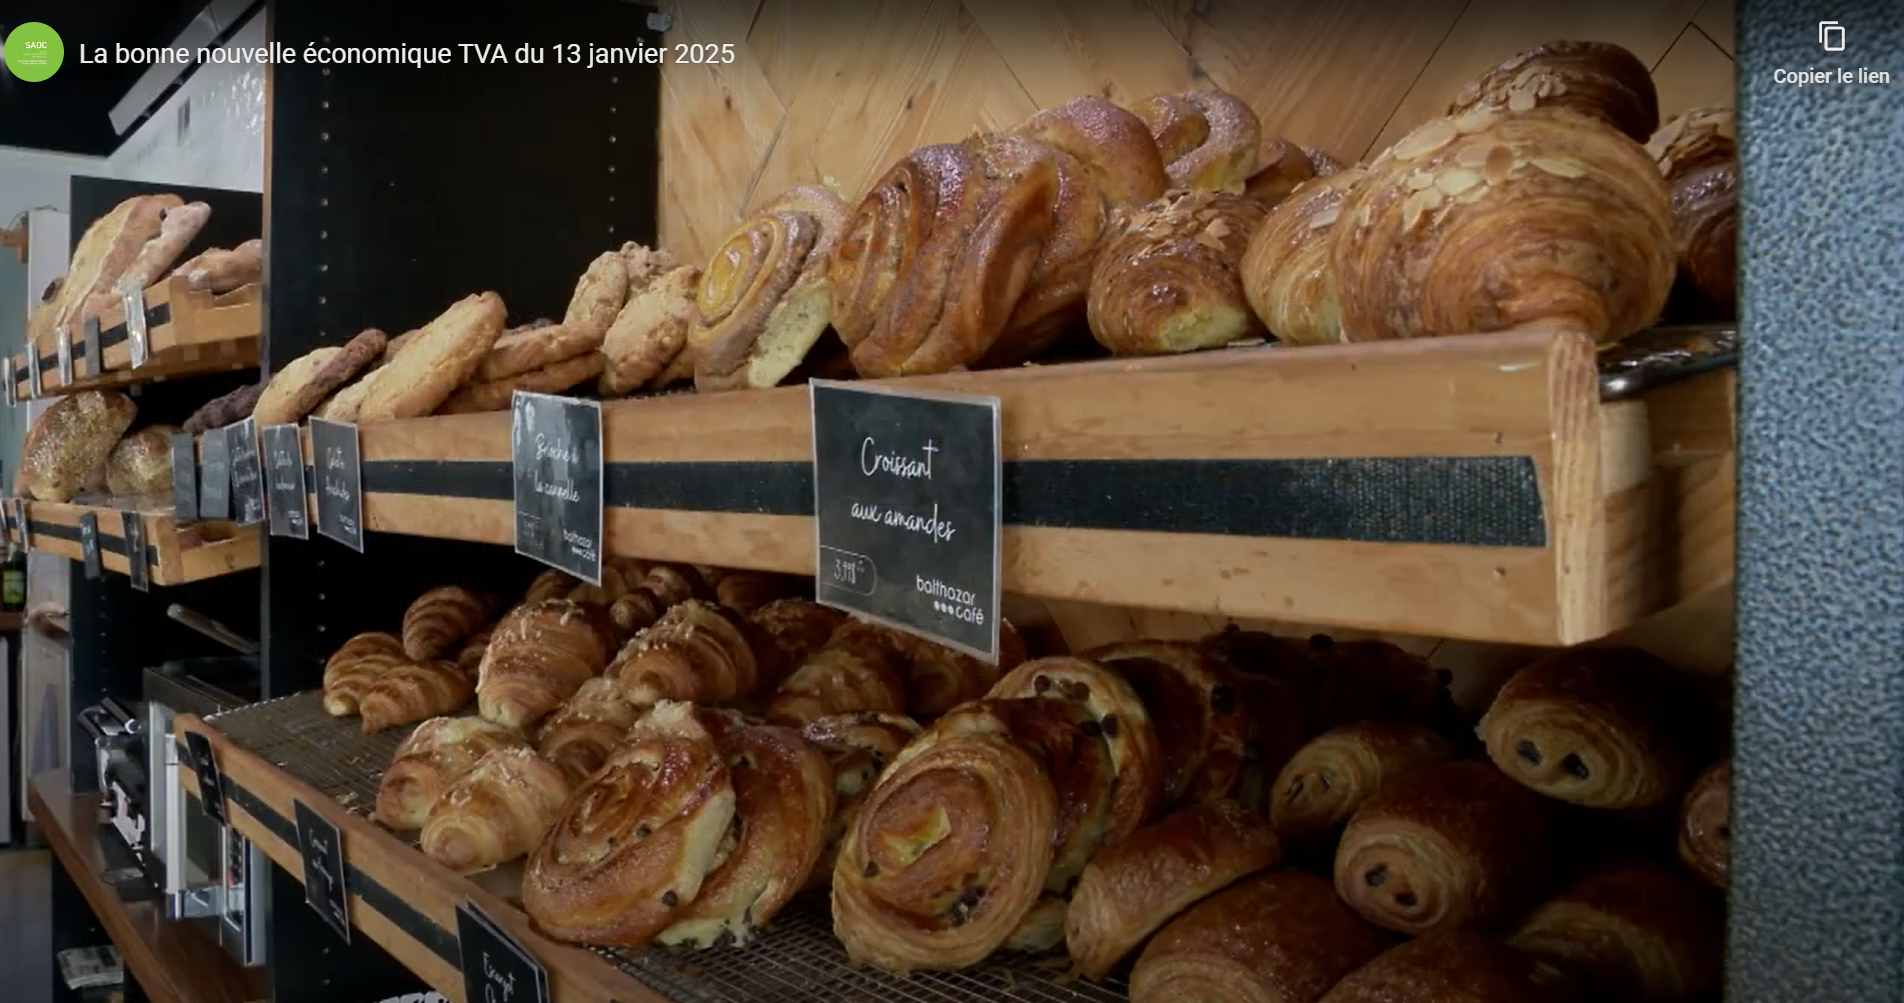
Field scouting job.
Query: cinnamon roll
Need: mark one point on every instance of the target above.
(1167, 279)
(1329, 778)
(1705, 825)
(698, 652)
(764, 298)
(838, 680)
(438, 752)
(1631, 931)
(414, 691)
(1195, 708)
(1444, 847)
(1454, 966)
(578, 737)
(1122, 719)
(539, 655)
(1597, 79)
(1208, 138)
(496, 812)
(1285, 270)
(857, 746)
(440, 618)
(798, 627)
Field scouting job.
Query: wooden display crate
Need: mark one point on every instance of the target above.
(176, 553)
(189, 332)
(1472, 488)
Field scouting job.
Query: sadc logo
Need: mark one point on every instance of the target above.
(34, 51)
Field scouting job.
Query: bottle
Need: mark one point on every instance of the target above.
(13, 578)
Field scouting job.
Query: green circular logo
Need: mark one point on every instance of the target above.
(34, 51)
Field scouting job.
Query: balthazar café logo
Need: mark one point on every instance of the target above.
(34, 51)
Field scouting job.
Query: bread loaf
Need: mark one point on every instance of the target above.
(177, 227)
(108, 247)
(1167, 278)
(141, 464)
(70, 441)
(220, 271)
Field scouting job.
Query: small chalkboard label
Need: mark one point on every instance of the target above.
(323, 851)
(556, 446)
(496, 969)
(132, 528)
(89, 543)
(211, 793)
(906, 503)
(185, 476)
(247, 473)
(33, 368)
(340, 487)
(65, 355)
(138, 347)
(214, 475)
(284, 481)
(90, 331)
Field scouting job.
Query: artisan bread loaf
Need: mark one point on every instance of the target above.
(104, 252)
(70, 441)
(141, 464)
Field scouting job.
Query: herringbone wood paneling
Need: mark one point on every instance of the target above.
(834, 91)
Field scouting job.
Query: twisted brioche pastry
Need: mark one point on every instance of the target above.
(947, 854)
(798, 627)
(1167, 280)
(438, 752)
(578, 737)
(1705, 825)
(1454, 966)
(697, 652)
(1697, 154)
(1131, 889)
(1070, 743)
(1194, 708)
(939, 678)
(1597, 79)
(1276, 937)
(1599, 727)
(1113, 144)
(1631, 931)
(857, 747)
(764, 298)
(1444, 847)
(1493, 222)
(783, 797)
(414, 691)
(496, 812)
(1209, 139)
(1331, 776)
(538, 657)
(746, 591)
(637, 840)
(439, 618)
(838, 680)
(1285, 270)
(351, 669)
(1358, 680)
(1282, 167)
(1122, 718)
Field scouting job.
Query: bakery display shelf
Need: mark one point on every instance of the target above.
(274, 754)
(175, 552)
(188, 332)
(1472, 488)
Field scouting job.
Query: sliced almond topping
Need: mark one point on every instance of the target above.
(1476, 120)
(1417, 181)
(1209, 240)
(1427, 138)
(1324, 218)
(1218, 228)
(1457, 180)
(1473, 155)
(1559, 168)
(1521, 101)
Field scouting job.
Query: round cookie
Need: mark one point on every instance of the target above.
(297, 389)
(439, 359)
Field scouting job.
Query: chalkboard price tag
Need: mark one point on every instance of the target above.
(211, 793)
(22, 520)
(496, 969)
(89, 543)
(284, 480)
(12, 378)
(90, 331)
(214, 475)
(136, 336)
(185, 476)
(340, 486)
(247, 472)
(322, 848)
(65, 355)
(906, 500)
(132, 529)
(556, 447)
(33, 368)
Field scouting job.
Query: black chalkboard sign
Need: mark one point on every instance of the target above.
(89, 543)
(214, 475)
(340, 484)
(323, 851)
(284, 481)
(556, 447)
(211, 793)
(91, 334)
(496, 969)
(132, 529)
(247, 472)
(185, 476)
(906, 504)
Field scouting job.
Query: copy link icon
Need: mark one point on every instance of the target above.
(1831, 35)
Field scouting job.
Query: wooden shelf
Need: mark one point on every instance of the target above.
(188, 331)
(1471, 488)
(172, 962)
(176, 552)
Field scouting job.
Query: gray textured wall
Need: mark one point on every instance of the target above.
(1818, 870)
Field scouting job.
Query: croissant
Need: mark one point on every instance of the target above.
(1636, 932)
(798, 627)
(578, 737)
(1282, 166)
(698, 652)
(1358, 680)
(550, 584)
(1705, 825)
(939, 678)
(746, 591)
(1454, 966)
(1329, 778)
(438, 619)
(857, 747)
(1597, 79)
(1209, 139)
(1131, 889)
(838, 680)
(438, 752)
(469, 657)
(783, 797)
(1285, 271)
(1275, 937)
(354, 666)
(538, 657)
(1494, 221)
(496, 812)
(765, 298)
(1167, 278)
(1444, 847)
(638, 838)
(947, 854)
(1122, 718)
(1600, 727)
(414, 691)
(613, 586)
(1697, 154)
(1195, 710)
(664, 587)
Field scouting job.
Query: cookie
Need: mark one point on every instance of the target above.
(646, 264)
(494, 395)
(297, 389)
(345, 403)
(394, 347)
(650, 332)
(442, 357)
(222, 411)
(599, 295)
(525, 350)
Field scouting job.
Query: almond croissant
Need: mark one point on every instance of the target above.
(1167, 278)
